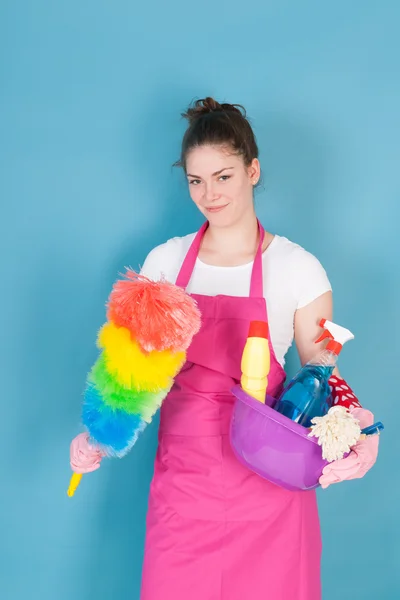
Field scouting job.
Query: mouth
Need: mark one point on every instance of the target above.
(214, 209)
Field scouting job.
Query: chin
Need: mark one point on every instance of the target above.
(224, 219)
(219, 220)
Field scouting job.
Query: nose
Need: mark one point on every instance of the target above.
(210, 193)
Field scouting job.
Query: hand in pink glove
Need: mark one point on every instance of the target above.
(84, 458)
(361, 458)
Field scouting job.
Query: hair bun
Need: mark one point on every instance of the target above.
(209, 105)
(212, 123)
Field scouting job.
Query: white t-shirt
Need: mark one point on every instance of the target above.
(292, 279)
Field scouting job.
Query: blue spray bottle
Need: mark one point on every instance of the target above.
(308, 395)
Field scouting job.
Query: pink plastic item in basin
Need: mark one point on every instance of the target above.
(273, 446)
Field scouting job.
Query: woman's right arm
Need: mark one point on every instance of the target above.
(85, 457)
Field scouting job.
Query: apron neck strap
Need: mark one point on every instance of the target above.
(186, 271)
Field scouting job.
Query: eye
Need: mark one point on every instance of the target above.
(224, 177)
(194, 181)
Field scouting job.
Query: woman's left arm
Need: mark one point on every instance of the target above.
(306, 331)
(363, 455)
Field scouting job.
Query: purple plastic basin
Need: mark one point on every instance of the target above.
(273, 446)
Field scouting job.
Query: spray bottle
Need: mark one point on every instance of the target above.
(256, 361)
(308, 395)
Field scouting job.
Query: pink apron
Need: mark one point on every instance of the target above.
(215, 530)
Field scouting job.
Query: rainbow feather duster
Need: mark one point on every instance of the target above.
(143, 346)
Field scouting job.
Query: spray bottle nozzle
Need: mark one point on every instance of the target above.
(336, 334)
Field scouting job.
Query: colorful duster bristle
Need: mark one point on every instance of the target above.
(159, 315)
(150, 326)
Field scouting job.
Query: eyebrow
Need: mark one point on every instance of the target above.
(214, 174)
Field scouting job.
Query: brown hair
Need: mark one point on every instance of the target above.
(212, 123)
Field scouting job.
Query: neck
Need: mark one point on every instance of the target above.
(240, 237)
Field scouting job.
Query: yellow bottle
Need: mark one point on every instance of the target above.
(256, 361)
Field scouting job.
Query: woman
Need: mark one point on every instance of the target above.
(216, 531)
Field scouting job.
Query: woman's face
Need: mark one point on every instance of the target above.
(220, 184)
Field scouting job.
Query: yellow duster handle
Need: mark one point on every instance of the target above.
(73, 484)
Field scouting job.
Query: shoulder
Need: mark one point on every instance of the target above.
(306, 276)
(166, 259)
(292, 255)
(285, 249)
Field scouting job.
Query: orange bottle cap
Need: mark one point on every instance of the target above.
(334, 347)
(258, 329)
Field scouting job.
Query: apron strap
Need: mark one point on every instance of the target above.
(187, 268)
(256, 283)
(189, 262)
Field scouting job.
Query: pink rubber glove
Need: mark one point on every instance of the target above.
(361, 458)
(84, 458)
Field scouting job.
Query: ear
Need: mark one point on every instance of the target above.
(254, 171)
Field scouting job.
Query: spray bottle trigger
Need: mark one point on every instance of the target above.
(324, 336)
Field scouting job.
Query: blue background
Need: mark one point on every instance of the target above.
(90, 98)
